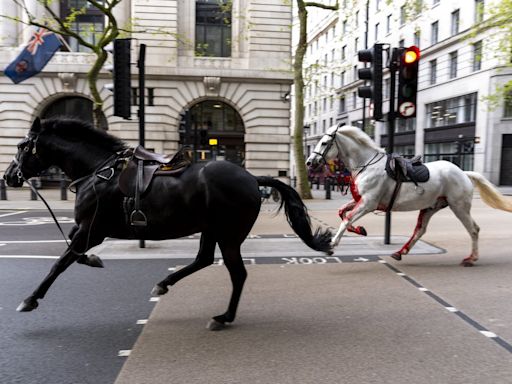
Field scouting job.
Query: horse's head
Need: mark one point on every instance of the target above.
(27, 163)
(325, 149)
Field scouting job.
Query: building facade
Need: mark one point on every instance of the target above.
(228, 62)
(459, 71)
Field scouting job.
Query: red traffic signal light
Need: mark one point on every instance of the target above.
(408, 81)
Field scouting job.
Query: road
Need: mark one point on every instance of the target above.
(423, 320)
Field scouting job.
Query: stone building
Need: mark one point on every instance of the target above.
(458, 71)
(230, 66)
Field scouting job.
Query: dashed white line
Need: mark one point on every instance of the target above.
(154, 299)
(142, 322)
(451, 309)
(124, 353)
(488, 334)
(423, 289)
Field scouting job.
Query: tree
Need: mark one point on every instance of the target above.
(63, 27)
(298, 68)
(497, 16)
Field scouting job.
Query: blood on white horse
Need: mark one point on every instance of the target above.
(372, 189)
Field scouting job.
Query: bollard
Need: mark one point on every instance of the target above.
(33, 195)
(327, 186)
(63, 187)
(3, 190)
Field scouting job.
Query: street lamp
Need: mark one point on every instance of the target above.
(305, 130)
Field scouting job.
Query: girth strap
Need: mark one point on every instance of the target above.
(137, 217)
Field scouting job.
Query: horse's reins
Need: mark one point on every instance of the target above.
(96, 173)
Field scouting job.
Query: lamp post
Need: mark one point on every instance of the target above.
(304, 132)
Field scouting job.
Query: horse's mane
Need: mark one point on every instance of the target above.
(81, 131)
(359, 136)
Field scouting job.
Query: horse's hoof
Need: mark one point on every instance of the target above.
(362, 231)
(27, 305)
(94, 261)
(467, 263)
(396, 256)
(159, 290)
(214, 325)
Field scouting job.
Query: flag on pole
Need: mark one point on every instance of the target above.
(42, 46)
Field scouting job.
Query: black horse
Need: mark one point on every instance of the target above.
(219, 199)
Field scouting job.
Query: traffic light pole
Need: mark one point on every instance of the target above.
(141, 64)
(391, 128)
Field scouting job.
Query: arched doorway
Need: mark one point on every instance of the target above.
(72, 106)
(215, 120)
(69, 106)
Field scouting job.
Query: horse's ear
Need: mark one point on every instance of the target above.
(36, 126)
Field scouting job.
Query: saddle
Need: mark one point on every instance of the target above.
(140, 170)
(405, 170)
(402, 169)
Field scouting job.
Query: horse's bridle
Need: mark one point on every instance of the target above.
(29, 144)
(328, 145)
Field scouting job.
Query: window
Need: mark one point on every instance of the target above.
(434, 35)
(377, 32)
(433, 71)
(354, 100)
(507, 108)
(343, 78)
(403, 15)
(479, 11)
(453, 64)
(435, 2)
(343, 52)
(401, 43)
(417, 38)
(457, 110)
(377, 5)
(455, 22)
(356, 44)
(357, 19)
(89, 22)
(333, 54)
(213, 28)
(477, 56)
(356, 77)
(388, 24)
(344, 28)
(343, 105)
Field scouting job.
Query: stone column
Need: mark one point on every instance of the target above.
(123, 13)
(8, 29)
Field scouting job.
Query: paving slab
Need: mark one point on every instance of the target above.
(343, 323)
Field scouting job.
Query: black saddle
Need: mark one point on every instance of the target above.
(406, 170)
(140, 170)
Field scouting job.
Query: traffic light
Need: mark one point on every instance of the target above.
(408, 81)
(121, 71)
(184, 124)
(372, 74)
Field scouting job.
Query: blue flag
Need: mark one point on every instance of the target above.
(39, 50)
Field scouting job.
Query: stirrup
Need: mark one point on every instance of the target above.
(138, 218)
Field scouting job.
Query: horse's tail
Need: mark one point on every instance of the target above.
(490, 195)
(297, 215)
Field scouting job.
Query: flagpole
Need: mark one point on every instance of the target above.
(64, 42)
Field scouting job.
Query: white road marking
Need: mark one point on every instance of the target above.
(27, 257)
(423, 289)
(32, 241)
(451, 309)
(488, 334)
(142, 322)
(400, 274)
(154, 299)
(124, 353)
(13, 213)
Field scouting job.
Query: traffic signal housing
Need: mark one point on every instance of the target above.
(373, 75)
(121, 71)
(408, 82)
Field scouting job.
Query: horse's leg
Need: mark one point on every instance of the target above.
(421, 226)
(359, 210)
(203, 259)
(235, 265)
(90, 260)
(81, 240)
(461, 208)
(347, 208)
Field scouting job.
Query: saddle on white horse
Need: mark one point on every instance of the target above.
(402, 169)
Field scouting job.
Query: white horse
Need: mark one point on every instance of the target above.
(372, 188)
